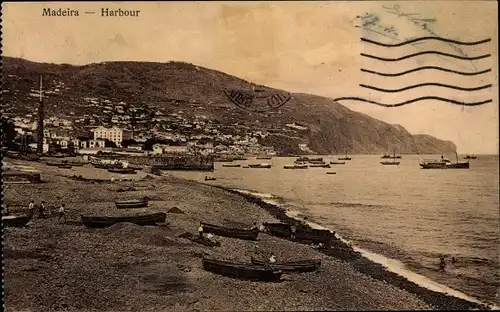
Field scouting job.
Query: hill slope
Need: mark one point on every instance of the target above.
(326, 126)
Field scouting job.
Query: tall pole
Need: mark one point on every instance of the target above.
(39, 147)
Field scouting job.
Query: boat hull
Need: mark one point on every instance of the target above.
(230, 232)
(445, 166)
(15, 221)
(242, 270)
(302, 235)
(103, 222)
(292, 266)
(131, 204)
(390, 163)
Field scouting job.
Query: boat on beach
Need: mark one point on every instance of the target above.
(230, 232)
(104, 221)
(16, 221)
(122, 170)
(302, 234)
(131, 203)
(64, 166)
(242, 270)
(291, 266)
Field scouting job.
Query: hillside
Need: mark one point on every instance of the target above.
(326, 126)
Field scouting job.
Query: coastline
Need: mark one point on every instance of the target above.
(64, 266)
(438, 300)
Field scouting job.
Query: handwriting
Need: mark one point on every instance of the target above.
(422, 23)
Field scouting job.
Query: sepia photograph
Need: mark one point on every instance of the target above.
(250, 156)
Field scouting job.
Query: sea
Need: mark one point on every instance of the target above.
(407, 216)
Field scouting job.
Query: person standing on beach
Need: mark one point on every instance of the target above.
(41, 210)
(61, 213)
(293, 228)
(442, 264)
(200, 230)
(31, 206)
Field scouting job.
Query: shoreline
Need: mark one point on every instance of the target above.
(438, 300)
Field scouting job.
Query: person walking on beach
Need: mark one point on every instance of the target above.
(41, 210)
(442, 264)
(61, 213)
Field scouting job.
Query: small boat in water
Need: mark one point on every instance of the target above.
(345, 158)
(331, 172)
(232, 165)
(132, 203)
(309, 159)
(210, 178)
(230, 232)
(470, 157)
(291, 266)
(266, 157)
(391, 163)
(242, 270)
(319, 166)
(337, 162)
(296, 167)
(16, 221)
(103, 222)
(65, 166)
(265, 166)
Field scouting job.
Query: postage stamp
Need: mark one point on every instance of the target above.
(250, 155)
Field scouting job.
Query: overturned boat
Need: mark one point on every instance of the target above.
(131, 203)
(230, 232)
(242, 270)
(291, 266)
(103, 222)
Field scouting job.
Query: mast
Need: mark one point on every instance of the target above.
(39, 147)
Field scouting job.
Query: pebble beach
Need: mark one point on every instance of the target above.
(52, 265)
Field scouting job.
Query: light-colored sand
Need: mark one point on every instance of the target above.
(51, 266)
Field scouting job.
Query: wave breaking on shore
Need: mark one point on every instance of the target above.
(392, 266)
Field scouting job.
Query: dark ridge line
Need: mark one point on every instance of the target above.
(426, 84)
(425, 67)
(414, 100)
(426, 38)
(426, 52)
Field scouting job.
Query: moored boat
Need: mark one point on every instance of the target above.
(230, 232)
(470, 157)
(319, 166)
(444, 163)
(345, 158)
(241, 270)
(331, 172)
(265, 157)
(265, 166)
(337, 162)
(389, 163)
(131, 203)
(291, 266)
(295, 167)
(231, 165)
(104, 221)
(64, 166)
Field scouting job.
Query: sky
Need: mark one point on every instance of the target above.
(305, 47)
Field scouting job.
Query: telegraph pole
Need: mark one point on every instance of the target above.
(39, 147)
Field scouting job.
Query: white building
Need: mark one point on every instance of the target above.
(113, 134)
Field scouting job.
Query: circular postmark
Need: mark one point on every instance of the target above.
(257, 100)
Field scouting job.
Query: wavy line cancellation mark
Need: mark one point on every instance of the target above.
(425, 38)
(473, 58)
(426, 68)
(435, 84)
(437, 98)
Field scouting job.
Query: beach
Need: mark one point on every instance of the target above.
(51, 265)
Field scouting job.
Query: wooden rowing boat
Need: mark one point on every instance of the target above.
(132, 203)
(103, 222)
(230, 232)
(291, 266)
(242, 270)
(302, 234)
(16, 221)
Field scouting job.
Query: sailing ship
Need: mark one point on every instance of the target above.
(387, 156)
(444, 163)
(345, 158)
(390, 163)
